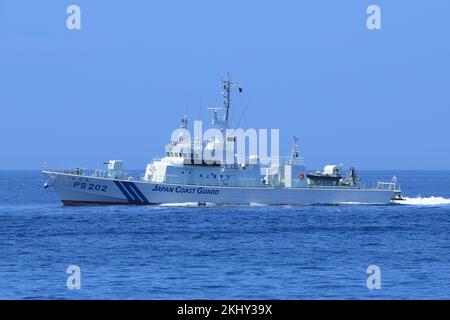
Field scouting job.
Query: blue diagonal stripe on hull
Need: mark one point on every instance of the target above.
(140, 194)
(125, 193)
(132, 193)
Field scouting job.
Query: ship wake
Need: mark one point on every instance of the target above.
(427, 201)
(185, 204)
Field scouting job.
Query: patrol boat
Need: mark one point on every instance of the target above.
(185, 177)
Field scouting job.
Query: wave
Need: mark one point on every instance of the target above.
(428, 201)
(355, 203)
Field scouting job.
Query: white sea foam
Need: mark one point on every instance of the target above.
(429, 201)
(184, 204)
(256, 204)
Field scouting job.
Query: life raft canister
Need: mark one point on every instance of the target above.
(301, 176)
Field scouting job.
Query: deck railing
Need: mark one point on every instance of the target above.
(242, 183)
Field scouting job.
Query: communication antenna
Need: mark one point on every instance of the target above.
(228, 85)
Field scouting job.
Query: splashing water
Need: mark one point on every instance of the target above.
(429, 201)
(256, 204)
(185, 204)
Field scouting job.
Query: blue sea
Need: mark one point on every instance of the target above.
(232, 252)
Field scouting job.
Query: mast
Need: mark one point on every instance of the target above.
(184, 122)
(227, 86)
(224, 121)
(294, 150)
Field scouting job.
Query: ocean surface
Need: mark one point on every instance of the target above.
(232, 252)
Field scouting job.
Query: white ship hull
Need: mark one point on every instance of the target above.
(78, 189)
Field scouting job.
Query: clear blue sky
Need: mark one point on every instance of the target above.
(116, 88)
